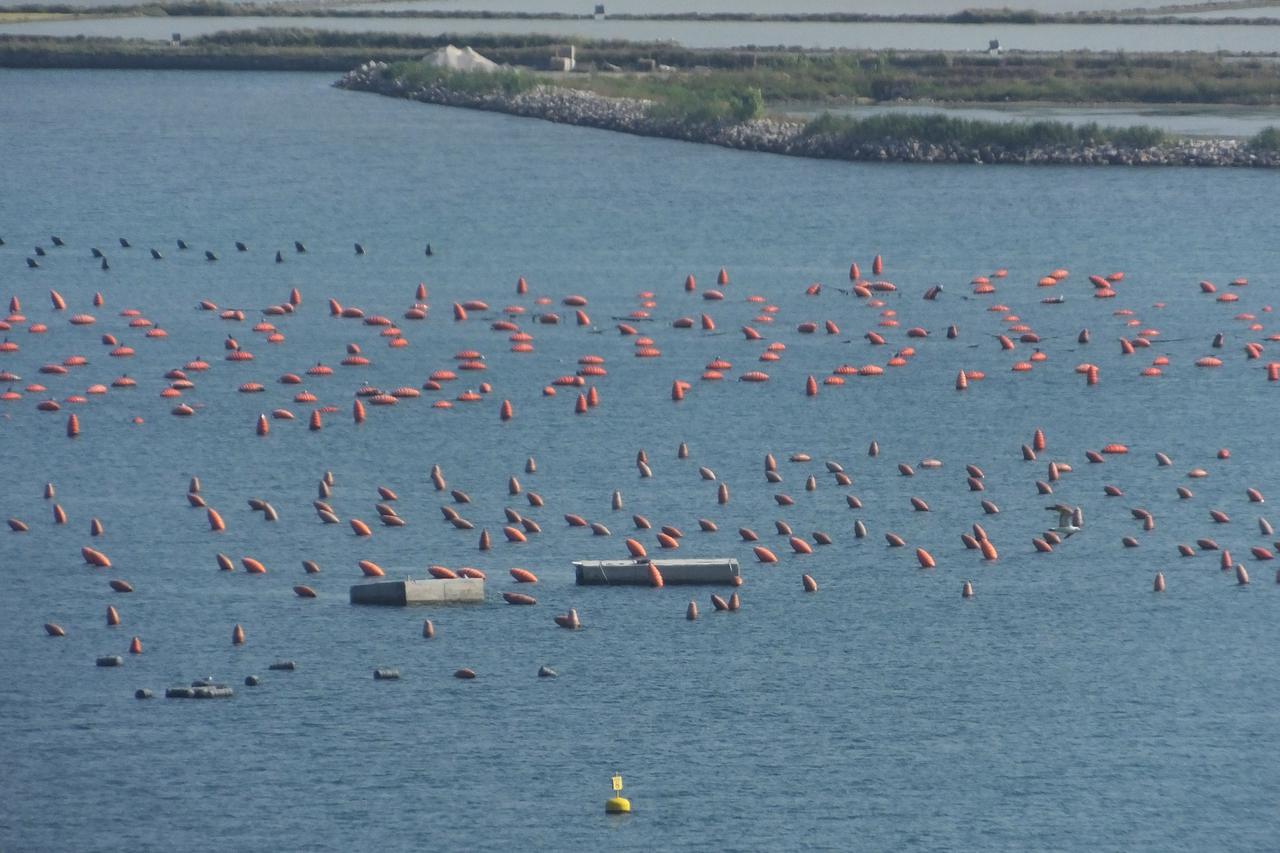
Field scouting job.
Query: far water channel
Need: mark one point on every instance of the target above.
(880, 36)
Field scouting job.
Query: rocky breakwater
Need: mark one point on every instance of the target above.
(780, 136)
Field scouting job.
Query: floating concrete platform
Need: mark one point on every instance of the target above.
(426, 591)
(636, 572)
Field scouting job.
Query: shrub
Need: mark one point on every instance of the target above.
(940, 129)
(1267, 139)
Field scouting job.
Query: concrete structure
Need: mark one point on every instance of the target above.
(428, 591)
(674, 571)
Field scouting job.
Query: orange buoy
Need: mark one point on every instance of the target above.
(264, 427)
(237, 635)
(989, 552)
(370, 569)
(54, 630)
(667, 542)
(216, 524)
(113, 617)
(304, 592)
(764, 555)
(224, 563)
(810, 585)
(800, 546)
(514, 534)
(252, 566)
(95, 558)
(121, 586)
(135, 646)
(360, 528)
(655, 576)
(925, 558)
(524, 576)
(73, 425)
(1242, 576)
(442, 572)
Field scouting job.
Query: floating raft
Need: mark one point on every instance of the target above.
(636, 572)
(200, 691)
(428, 591)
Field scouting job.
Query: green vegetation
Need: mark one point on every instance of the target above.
(1267, 139)
(938, 129)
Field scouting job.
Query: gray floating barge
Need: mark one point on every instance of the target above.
(675, 571)
(426, 591)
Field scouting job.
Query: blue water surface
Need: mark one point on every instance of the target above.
(1064, 707)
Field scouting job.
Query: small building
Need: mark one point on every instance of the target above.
(599, 12)
(993, 47)
(564, 58)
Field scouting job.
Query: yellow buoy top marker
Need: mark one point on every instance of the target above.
(617, 804)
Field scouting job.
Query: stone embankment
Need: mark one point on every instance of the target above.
(777, 136)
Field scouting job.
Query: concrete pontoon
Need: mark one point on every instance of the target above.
(426, 591)
(674, 571)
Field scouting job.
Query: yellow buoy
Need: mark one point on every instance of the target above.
(617, 804)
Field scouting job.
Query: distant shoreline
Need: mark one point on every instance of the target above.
(792, 138)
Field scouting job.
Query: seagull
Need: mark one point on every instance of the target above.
(1070, 519)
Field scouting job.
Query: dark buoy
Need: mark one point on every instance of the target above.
(279, 258)
(210, 256)
(96, 252)
(429, 252)
(241, 247)
(105, 265)
(155, 255)
(546, 672)
(110, 660)
(124, 244)
(283, 666)
(359, 249)
(142, 693)
(182, 244)
(39, 252)
(252, 681)
(299, 248)
(385, 674)
(57, 241)
(31, 264)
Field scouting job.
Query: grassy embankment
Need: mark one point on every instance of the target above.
(701, 100)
